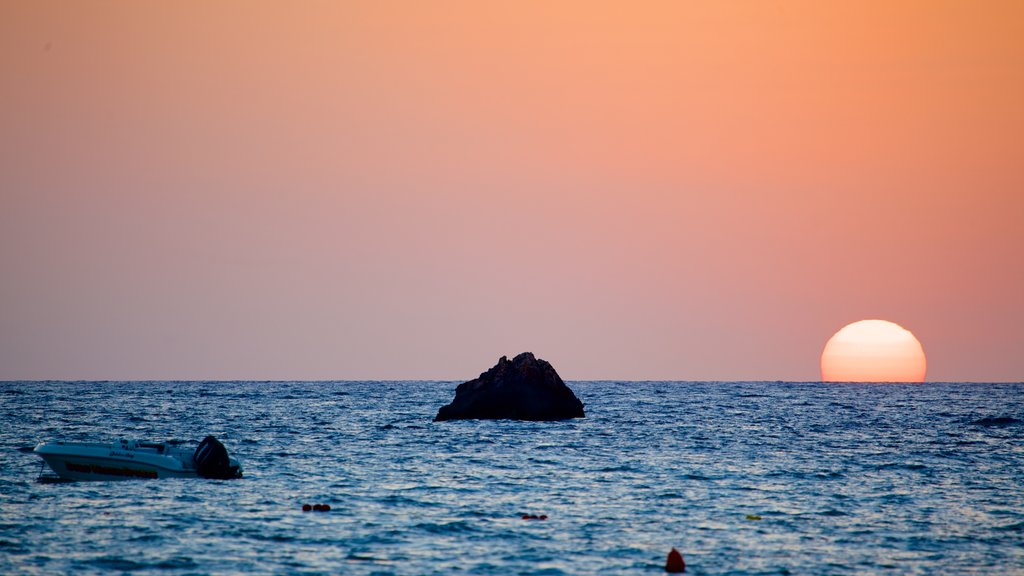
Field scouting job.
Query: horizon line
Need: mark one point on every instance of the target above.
(446, 380)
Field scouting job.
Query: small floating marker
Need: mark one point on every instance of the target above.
(526, 516)
(674, 563)
(325, 508)
(543, 517)
(753, 517)
(318, 507)
(306, 507)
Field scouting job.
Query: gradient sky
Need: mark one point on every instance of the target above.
(632, 190)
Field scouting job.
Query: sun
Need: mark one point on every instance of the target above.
(873, 351)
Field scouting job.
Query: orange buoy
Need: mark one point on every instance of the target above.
(674, 563)
(543, 517)
(306, 507)
(326, 508)
(318, 507)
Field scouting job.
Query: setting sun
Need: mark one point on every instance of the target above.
(873, 351)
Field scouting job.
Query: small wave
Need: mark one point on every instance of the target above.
(454, 527)
(271, 537)
(399, 500)
(177, 563)
(896, 498)
(899, 466)
(11, 547)
(556, 447)
(834, 512)
(355, 557)
(996, 421)
(54, 479)
(1018, 527)
(115, 563)
(968, 442)
(620, 468)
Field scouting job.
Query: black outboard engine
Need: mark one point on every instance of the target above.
(211, 459)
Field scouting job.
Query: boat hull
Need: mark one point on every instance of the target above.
(124, 461)
(84, 468)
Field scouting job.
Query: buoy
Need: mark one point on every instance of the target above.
(318, 507)
(326, 508)
(674, 563)
(306, 507)
(543, 517)
(526, 516)
(753, 517)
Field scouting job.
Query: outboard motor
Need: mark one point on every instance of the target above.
(211, 459)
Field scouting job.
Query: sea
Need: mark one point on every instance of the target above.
(740, 477)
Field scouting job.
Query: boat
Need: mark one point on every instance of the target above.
(135, 459)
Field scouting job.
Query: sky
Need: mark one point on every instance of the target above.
(410, 190)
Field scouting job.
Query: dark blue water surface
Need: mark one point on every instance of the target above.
(847, 479)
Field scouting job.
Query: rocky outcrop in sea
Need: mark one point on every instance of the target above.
(525, 388)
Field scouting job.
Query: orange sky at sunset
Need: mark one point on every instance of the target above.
(635, 190)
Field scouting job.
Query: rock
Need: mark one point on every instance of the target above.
(524, 389)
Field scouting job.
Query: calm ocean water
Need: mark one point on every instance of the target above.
(847, 479)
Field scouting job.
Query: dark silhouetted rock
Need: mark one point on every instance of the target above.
(524, 389)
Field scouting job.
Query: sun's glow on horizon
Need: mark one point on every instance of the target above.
(873, 351)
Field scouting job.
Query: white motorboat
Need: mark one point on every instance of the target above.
(131, 459)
